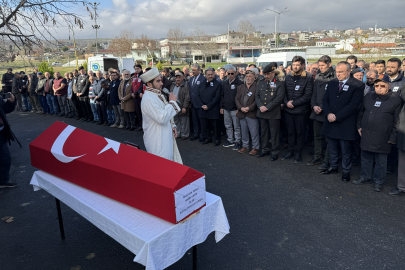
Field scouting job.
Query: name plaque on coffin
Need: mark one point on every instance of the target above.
(158, 186)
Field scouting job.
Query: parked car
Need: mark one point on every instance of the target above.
(56, 64)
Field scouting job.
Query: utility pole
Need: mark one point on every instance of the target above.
(95, 26)
(275, 23)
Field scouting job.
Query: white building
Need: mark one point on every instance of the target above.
(304, 36)
(327, 42)
(235, 38)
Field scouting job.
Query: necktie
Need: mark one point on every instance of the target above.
(194, 80)
(340, 86)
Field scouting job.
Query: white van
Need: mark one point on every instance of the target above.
(281, 58)
(104, 62)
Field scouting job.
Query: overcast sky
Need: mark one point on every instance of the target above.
(155, 17)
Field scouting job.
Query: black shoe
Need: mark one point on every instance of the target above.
(324, 166)
(92, 121)
(263, 154)
(193, 138)
(362, 181)
(126, 128)
(67, 116)
(314, 162)
(61, 115)
(330, 170)
(288, 156)
(298, 158)
(207, 141)
(132, 129)
(396, 192)
(98, 123)
(138, 128)
(106, 124)
(201, 140)
(217, 143)
(8, 185)
(77, 118)
(377, 187)
(84, 119)
(345, 177)
(228, 144)
(274, 158)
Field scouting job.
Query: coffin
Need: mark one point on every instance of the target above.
(158, 186)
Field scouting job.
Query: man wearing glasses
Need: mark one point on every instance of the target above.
(229, 110)
(371, 76)
(377, 126)
(340, 105)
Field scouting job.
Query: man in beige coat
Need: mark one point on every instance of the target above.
(127, 101)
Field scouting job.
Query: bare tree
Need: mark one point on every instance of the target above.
(246, 28)
(143, 43)
(30, 21)
(121, 45)
(202, 42)
(175, 36)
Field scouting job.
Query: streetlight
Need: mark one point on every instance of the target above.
(275, 22)
(95, 26)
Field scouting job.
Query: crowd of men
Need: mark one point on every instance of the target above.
(349, 114)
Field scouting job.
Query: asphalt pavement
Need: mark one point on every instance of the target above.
(282, 215)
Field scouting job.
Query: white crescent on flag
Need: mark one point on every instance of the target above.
(57, 147)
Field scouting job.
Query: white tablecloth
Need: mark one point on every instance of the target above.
(156, 242)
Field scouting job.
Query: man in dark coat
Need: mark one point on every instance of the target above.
(115, 101)
(228, 109)
(377, 125)
(82, 86)
(194, 85)
(397, 80)
(16, 90)
(33, 97)
(317, 115)
(208, 99)
(399, 190)
(299, 86)
(247, 110)
(341, 104)
(7, 79)
(24, 93)
(6, 136)
(269, 97)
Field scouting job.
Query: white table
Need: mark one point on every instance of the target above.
(156, 242)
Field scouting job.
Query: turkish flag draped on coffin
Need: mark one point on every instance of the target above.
(121, 172)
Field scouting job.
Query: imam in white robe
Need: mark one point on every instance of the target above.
(158, 133)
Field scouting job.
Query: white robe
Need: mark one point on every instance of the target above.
(158, 134)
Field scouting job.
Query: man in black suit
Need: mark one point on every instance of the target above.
(208, 98)
(340, 104)
(194, 84)
(6, 136)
